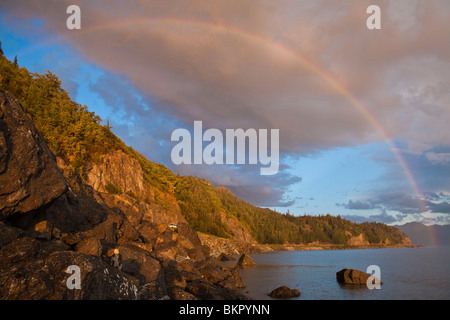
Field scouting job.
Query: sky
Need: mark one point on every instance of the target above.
(362, 114)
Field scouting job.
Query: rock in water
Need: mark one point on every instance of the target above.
(352, 277)
(284, 292)
(29, 176)
(246, 261)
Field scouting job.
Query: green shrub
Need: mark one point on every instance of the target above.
(112, 189)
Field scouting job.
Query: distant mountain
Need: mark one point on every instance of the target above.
(420, 234)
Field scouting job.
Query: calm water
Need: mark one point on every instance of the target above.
(406, 273)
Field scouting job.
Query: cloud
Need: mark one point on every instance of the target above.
(440, 207)
(382, 217)
(223, 62)
(402, 203)
(287, 66)
(358, 205)
(438, 158)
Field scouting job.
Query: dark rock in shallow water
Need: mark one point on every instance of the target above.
(245, 261)
(207, 291)
(284, 292)
(352, 277)
(216, 274)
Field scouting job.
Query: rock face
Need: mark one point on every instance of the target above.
(352, 277)
(29, 176)
(229, 247)
(122, 176)
(284, 292)
(358, 241)
(51, 219)
(240, 233)
(110, 172)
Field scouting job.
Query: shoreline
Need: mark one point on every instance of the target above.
(231, 247)
(309, 247)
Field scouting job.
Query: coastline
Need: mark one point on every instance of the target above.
(306, 247)
(232, 247)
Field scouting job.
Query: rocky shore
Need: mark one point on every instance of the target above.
(132, 244)
(308, 247)
(53, 221)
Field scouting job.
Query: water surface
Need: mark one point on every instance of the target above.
(406, 273)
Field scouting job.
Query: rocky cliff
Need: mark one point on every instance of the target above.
(220, 246)
(29, 177)
(126, 244)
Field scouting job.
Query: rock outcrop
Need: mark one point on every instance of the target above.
(231, 247)
(245, 261)
(110, 172)
(126, 244)
(29, 176)
(358, 241)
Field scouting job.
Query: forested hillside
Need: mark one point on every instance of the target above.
(79, 137)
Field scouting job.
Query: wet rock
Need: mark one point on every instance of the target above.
(284, 292)
(245, 261)
(216, 274)
(233, 279)
(352, 277)
(211, 270)
(206, 291)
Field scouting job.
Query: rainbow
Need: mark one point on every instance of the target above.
(365, 112)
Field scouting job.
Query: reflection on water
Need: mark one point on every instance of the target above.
(406, 273)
